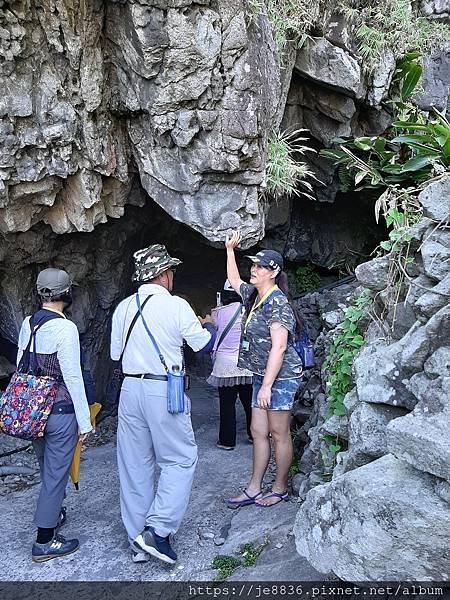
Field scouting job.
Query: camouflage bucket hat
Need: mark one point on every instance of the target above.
(150, 262)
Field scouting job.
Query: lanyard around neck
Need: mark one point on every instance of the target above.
(257, 305)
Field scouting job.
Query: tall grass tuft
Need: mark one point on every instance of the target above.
(393, 25)
(286, 176)
(290, 19)
(378, 26)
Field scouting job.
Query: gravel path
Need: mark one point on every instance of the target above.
(209, 527)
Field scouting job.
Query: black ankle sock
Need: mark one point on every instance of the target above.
(44, 535)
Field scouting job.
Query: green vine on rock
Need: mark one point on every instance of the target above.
(345, 346)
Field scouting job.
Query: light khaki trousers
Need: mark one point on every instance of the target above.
(148, 435)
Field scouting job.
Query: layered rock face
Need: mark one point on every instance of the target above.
(182, 92)
(386, 514)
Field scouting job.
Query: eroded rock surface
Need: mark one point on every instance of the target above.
(183, 92)
(385, 513)
(386, 509)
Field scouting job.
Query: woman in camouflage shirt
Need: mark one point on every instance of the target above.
(268, 330)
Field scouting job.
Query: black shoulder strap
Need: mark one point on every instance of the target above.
(132, 324)
(228, 327)
(24, 364)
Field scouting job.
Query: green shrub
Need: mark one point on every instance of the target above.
(305, 279)
(330, 447)
(226, 565)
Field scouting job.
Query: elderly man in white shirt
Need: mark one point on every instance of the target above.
(56, 352)
(148, 434)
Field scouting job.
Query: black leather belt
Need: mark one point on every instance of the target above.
(147, 376)
(61, 408)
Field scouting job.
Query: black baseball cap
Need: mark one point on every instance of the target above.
(268, 258)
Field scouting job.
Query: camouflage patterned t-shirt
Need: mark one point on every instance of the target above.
(275, 309)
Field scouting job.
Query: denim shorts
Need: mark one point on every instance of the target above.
(283, 392)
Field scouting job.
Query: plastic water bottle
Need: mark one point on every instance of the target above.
(175, 391)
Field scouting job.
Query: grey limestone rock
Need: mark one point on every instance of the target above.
(367, 432)
(380, 377)
(421, 438)
(431, 302)
(417, 287)
(436, 255)
(439, 363)
(442, 489)
(401, 318)
(436, 75)
(182, 90)
(374, 274)
(351, 401)
(303, 483)
(437, 9)
(337, 426)
(322, 61)
(380, 522)
(381, 78)
(435, 199)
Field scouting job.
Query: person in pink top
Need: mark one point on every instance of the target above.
(230, 380)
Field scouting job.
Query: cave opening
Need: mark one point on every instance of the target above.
(309, 234)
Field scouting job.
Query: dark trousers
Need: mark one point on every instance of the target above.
(227, 400)
(54, 452)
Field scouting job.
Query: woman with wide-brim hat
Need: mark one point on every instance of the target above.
(270, 325)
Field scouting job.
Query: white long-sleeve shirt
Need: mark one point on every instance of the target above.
(61, 336)
(170, 319)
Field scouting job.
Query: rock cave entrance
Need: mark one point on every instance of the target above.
(101, 261)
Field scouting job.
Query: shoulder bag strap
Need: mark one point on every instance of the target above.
(225, 332)
(25, 361)
(274, 294)
(161, 357)
(132, 324)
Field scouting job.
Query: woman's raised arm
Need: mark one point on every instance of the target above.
(232, 270)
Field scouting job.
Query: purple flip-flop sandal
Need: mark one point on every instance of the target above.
(239, 503)
(281, 497)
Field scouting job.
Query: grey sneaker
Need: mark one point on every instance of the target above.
(58, 546)
(155, 545)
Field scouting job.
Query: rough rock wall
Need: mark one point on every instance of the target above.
(183, 92)
(385, 515)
